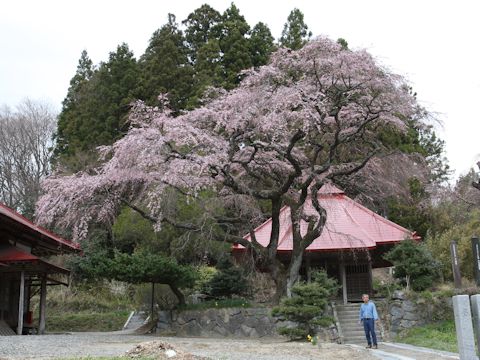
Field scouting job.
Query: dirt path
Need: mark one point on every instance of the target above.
(78, 345)
(268, 349)
(115, 344)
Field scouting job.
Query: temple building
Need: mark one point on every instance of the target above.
(24, 271)
(352, 243)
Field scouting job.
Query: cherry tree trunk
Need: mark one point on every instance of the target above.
(279, 276)
(294, 271)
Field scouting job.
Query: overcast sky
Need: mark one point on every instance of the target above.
(434, 44)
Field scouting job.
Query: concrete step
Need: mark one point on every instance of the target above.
(135, 321)
(5, 329)
(348, 312)
(348, 317)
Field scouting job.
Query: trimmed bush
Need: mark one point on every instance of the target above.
(307, 306)
(414, 265)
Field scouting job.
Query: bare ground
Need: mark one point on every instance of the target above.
(79, 345)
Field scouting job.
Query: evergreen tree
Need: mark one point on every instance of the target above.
(261, 44)
(71, 108)
(295, 32)
(114, 89)
(165, 67)
(228, 281)
(202, 35)
(343, 43)
(208, 70)
(234, 46)
(96, 105)
(201, 27)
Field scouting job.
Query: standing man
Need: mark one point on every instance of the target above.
(368, 316)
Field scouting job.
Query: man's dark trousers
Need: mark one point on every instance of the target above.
(369, 327)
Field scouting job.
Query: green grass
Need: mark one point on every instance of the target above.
(87, 321)
(217, 304)
(439, 336)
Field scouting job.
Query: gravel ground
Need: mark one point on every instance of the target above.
(67, 345)
(115, 344)
(78, 345)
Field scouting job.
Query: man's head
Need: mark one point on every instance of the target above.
(365, 298)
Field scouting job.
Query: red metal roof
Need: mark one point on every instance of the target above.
(6, 211)
(13, 255)
(349, 225)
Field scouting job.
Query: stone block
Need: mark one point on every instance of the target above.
(396, 311)
(464, 327)
(409, 306)
(475, 302)
(411, 316)
(398, 295)
(407, 324)
(165, 317)
(248, 331)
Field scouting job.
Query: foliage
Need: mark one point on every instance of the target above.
(261, 44)
(165, 68)
(89, 321)
(414, 264)
(439, 336)
(295, 32)
(216, 304)
(85, 297)
(205, 275)
(414, 212)
(384, 290)
(163, 297)
(25, 150)
(228, 281)
(141, 267)
(86, 306)
(461, 231)
(94, 111)
(202, 26)
(306, 306)
(234, 46)
(420, 138)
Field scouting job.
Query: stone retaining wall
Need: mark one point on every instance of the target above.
(229, 322)
(238, 322)
(401, 313)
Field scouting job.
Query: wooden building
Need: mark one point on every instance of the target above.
(24, 270)
(352, 242)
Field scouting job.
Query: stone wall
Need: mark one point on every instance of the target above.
(402, 313)
(229, 322)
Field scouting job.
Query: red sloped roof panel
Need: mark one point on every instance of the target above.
(13, 254)
(6, 211)
(349, 225)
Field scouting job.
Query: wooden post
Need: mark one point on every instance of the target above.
(476, 259)
(153, 301)
(43, 301)
(343, 278)
(457, 278)
(21, 300)
(370, 278)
